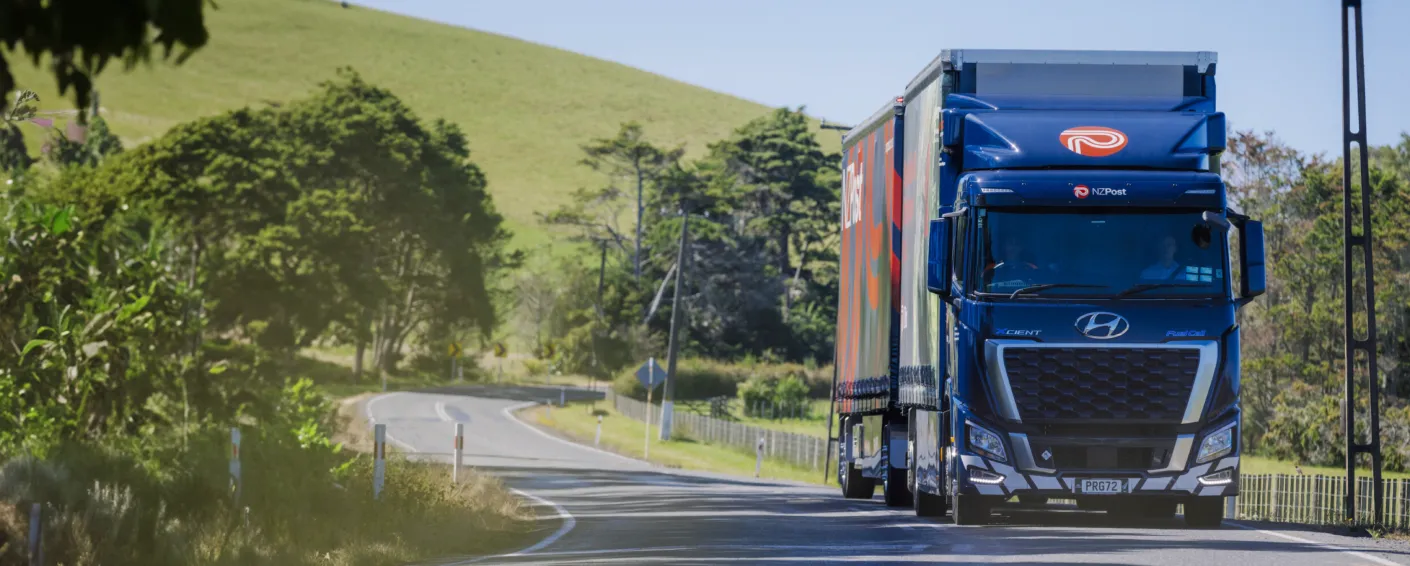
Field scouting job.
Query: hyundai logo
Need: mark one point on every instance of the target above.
(1102, 325)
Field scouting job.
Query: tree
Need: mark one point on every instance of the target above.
(81, 37)
(13, 155)
(630, 158)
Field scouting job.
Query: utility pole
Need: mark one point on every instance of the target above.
(1350, 241)
(601, 280)
(668, 390)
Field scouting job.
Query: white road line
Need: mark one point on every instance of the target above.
(1358, 554)
(441, 411)
(373, 420)
(509, 414)
(568, 523)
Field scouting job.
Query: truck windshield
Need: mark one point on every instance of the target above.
(1135, 254)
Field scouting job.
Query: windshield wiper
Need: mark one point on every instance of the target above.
(1044, 286)
(1140, 287)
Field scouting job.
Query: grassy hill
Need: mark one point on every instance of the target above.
(525, 107)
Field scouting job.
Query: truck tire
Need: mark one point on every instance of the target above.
(1204, 512)
(854, 485)
(894, 489)
(970, 510)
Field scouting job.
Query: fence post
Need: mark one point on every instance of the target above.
(236, 481)
(459, 452)
(36, 534)
(379, 459)
(597, 440)
(759, 457)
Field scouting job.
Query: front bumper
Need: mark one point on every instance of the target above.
(1063, 484)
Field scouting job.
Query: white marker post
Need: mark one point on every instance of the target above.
(379, 459)
(597, 440)
(36, 534)
(236, 482)
(562, 396)
(759, 457)
(459, 452)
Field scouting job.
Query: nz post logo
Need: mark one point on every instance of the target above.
(1092, 141)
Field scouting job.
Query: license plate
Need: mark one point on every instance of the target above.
(1096, 486)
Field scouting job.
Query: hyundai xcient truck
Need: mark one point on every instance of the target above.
(1040, 272)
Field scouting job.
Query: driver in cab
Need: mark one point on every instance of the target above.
(1010, 265)
(1165, 265)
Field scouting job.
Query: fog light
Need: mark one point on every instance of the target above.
(1221, 477)
(977, 475)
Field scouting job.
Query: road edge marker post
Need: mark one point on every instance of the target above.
(237, 483)
(379, 459)
(459, 453)
(597, 440)
(759, 457)
(563, 396)
(36, 534)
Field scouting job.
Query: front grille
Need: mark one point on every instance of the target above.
(1128, 384)
(1108, 458)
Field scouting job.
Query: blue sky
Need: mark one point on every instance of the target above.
(1279, 60)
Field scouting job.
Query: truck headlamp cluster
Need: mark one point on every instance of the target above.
(1218, 444)
(985, 442)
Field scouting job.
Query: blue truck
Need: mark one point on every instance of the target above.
(1038, 298)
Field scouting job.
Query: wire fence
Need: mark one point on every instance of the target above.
(801, 450)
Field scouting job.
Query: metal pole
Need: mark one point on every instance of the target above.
(667, 393)
(459, 452)
(759, 457)
(601, 281)
(379, 459)
(1351, 241)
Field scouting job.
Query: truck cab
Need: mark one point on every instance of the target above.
(1081, 256)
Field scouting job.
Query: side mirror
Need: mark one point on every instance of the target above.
(937, 266)
(1254, 280)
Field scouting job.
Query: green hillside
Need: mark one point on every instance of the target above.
(525, 107)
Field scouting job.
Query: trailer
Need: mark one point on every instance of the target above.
(1037, 294)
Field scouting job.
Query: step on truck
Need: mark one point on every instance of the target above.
(1038, 293)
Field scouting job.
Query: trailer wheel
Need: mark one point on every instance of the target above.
(854, 485)
(1204, 512)
(970, 510)
(894, 488)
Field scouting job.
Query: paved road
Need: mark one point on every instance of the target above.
(599, 507)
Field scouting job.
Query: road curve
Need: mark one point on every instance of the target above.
(603, 508)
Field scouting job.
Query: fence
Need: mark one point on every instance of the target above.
(1320, 500)
(801, 450)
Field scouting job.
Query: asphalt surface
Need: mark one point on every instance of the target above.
(602, 508)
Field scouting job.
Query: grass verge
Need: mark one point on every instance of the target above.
(627, 437)
(299, 505)
(1252, 465)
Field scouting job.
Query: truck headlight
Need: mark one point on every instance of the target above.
(1217, 445)
(985, 442)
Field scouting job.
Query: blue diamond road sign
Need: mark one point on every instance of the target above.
(650, 374)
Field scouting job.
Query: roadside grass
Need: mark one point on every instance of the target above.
(627, 437)
(1253, 465)
(298, 506)
(815, 424)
